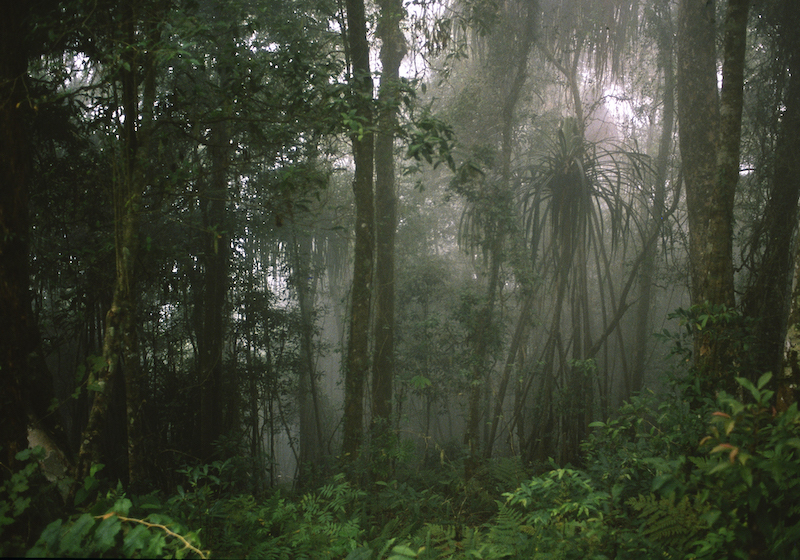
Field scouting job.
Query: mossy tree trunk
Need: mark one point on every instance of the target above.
(393, 49)
(709, 134)
(362, 138)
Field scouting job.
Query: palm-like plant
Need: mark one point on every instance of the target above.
(576, 206)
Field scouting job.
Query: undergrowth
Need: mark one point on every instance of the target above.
(669, 477)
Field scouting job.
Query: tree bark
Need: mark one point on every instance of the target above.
(710, 132)
(16, 317)
(362, 138)
(393, 49)
(768, 299)
(698, 116)
(310, 424)
(216, 256)
(120, 343)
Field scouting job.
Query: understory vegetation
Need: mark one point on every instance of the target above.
(378, 279)
(676, 475)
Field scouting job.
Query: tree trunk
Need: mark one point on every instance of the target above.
(120, 344)
(698, 115)
(357, 363)
(709, 140)
(311, 444)
(216, 257)
(393, 49)
(510, 83)
(512, 361)
(769, 297)
(16, 317)
(137, 179)
(647, 275)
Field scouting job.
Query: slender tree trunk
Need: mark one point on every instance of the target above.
(357, 363)
(138, 175)
(120, 344)
(698, 115)
(769, 297)
(647, 275)
(481, 357)
(510, 84)
(393, 49)
(16, 316)
(216, 258)
(512, 361)
(311, 444)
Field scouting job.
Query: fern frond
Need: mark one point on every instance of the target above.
(671, 523)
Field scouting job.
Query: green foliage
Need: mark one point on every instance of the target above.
(430, 139)
(15, 493)
(116, 533)
(563, 511)
(723, 331)
(321, 524)
(647, 491)
(650, 487)
(22, 494)
(752, 476)
(672, 523)
(113, 526)
(644, 441)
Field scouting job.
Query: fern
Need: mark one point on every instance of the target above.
(670, 523)
(510, 533)
(509, 472)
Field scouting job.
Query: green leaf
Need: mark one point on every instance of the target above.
(401, 552)
(420, 382)
(72, 540)
(154, 545)
(362, 553)
(747, 475)
(135, 540)
(47, 544)
(122, 506)
(793, 442)
(20, 505)
(23, 455)
(106, 533)
(80, 373)
(744, 382)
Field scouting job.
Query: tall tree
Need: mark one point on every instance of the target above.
(666, 52)
(310, 423)
(709, 134)
(768, 295)
(16, 317)
(216, 239)
(362, 138)
(393, 49)
(488, 215)
(121, 345)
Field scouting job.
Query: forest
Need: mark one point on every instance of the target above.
(400, 279)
